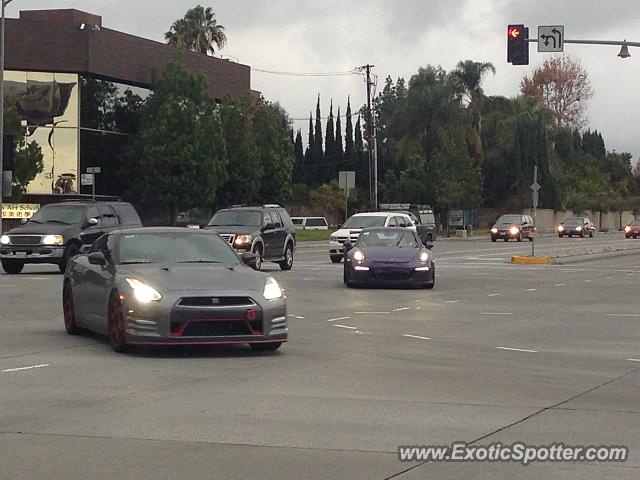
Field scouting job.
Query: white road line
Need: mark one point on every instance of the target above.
(372, 313)
(517, 349)
(339, 318)
(20, 369)
(345, 326)
(623, 314)
(496, 313)
(7, 286)
(560, 284)
(453, 301)
(609, 278)
(587, 281)
(531, 289)
(415, 336)
(630, 274)
(297, 316)
(494, 295)
(401, 309)
(633, 359)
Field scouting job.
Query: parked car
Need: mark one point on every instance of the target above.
(55, 233)
(169, 285)
(354, 225)
(389, 256)
(422, 216)
(513, 226)
(265, 230)
(633, 229)
(310, 223)
(580, 226)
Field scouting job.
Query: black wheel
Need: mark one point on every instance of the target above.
(530, 238)
(582, 235)
(117, 321)
(346, 278)
(71, 251)
(258, 251)
(336, 258)
(429, 237)
(430, 285)
(69, 309)
(519, 238)
(12, 267)
(560, 235)
(287, 263)
(265, 347)
(506, 239)
(494, 239)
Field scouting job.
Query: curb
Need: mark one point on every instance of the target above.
(530, 260)
(586, 257)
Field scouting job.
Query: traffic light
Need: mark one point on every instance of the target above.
(518, 45)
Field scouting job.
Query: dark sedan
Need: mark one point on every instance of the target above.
(578, 226)
(513, 226)
(161, 286)
(389, 257)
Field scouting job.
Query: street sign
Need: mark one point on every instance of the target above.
(551, 38)
(347, 180)
(535, 187)
(94, 170)
(86, 179)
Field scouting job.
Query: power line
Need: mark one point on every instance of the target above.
(307, 74)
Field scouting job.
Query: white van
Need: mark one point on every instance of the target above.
(310, 223)
(354, 225)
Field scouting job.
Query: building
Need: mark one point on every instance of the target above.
(73, 83)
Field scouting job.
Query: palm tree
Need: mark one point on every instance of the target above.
(198, 31)
(468, 77)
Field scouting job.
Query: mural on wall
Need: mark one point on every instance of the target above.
(47, 104)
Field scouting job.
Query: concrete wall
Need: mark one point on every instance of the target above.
(547, 220)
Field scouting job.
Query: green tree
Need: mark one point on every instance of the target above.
(299, 173)
(177, 158)
(310, 171)
(244, 168)
(348, 134)
(317, 153)
(339, 147)
(197, 31)
(329, 148)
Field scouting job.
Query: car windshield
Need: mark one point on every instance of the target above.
(69, 214)
(297, 221)
(175, 247)
(365, 221)
(574, 221)
(387, 238)
(236, 218)
(636, 223)
(509, 219)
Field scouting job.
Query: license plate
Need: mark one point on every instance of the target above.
(21, 254)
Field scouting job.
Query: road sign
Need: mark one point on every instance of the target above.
(94, 170)
(86, 179)
(347, 180)
(535, 187)
(551, 38)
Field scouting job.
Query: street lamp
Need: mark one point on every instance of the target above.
(2, 25)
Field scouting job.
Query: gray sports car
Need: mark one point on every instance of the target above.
(161, 286)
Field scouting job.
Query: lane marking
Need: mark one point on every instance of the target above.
(372, 313)
(497, 313)
(531, 289)
(494, 295)
(415, 336)
(453, 301)
(633, 359)
(20, 369)
(517, 349)
(339, 318)
(623, 314)
(7, 286)
(344, 326)
(560, 284)
(297, 316)
(587, 281)
(401, 309)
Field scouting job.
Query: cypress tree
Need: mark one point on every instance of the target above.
(329, 148)
(348, 134)
(317, 157)
(299, 167)
(360, 164)
(308, 174)
(339, 150)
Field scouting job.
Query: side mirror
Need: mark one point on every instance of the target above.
(97, 258)
(84, 249)
(24, 220)
(250, 259)
(92, 222)
(428, 245)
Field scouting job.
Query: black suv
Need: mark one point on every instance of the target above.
(266, 231)
(56, 231)
(423, 217)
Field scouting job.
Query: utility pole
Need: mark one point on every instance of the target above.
(371, 138)
(2, 26)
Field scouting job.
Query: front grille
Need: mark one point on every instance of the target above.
(222, 328)
(216, 302)
(25, 239)
(228, 237)
(392, 275)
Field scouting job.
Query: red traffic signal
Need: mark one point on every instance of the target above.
(517, 45)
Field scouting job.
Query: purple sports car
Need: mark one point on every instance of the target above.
(389, 256)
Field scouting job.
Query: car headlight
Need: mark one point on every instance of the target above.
(53, 240)
(358, 256)
(4, 240)
(494, 230)
(242, 240)
(424, 257)
(560, 228)
(578, 229)
(272, 290)
(626, 229)
(143, 292)
(514, 230)
(333, 238)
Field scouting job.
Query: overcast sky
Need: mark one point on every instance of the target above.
(399, 36)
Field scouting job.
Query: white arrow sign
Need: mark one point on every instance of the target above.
(551, 38)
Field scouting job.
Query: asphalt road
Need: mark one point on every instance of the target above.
(496, 352)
